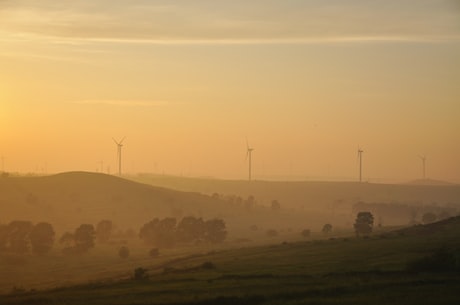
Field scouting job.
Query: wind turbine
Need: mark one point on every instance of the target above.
(249, 155)
(360, 157)
(119, 146)
(423, 158)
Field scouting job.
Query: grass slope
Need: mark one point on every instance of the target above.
(337, 271)
(312, 194)
(69, 199)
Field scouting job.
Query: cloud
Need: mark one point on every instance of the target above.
(124, 103)
(230, 22)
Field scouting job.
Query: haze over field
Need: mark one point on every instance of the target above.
(186, 82)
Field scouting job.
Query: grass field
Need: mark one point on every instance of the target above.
(345, 270)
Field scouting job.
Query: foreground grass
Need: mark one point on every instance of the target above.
(336, 271)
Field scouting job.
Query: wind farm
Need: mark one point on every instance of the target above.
(229, 152)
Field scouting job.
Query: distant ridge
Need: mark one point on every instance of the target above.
(429, 182)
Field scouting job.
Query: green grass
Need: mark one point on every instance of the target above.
(339, 271)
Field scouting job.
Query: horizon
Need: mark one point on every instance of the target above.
(304, 82)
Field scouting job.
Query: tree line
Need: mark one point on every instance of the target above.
(23, 237)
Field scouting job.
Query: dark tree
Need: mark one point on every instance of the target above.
(154, 252)
(364, 223)
(306, 233)
(104, 231)
(190, 229)
(327, 228)
(429, 217)
(84, 238)
(3, 237)
(275, 205)
(42, 238)
(160, 233)
(18, 236)
(215, 231)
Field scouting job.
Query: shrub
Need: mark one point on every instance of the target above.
(123, 252)
(154, 252)
(140, 274)
(272, 233)
(305, 233)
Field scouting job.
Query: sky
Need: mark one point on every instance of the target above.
(190, 83)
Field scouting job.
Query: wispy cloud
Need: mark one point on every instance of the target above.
(230, 22)
(124, 103)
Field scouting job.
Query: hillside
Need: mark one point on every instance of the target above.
(311, 193)
(348, 270)
(69, 199)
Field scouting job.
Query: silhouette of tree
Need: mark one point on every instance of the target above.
(364, 223)
(42, 238)
(160, 233)
(327, 228)
(306, 233)
(190, 229)
(275, 205)
(215, 231)
(84, 237)
(3, 237)
(104, 231)
(18, 236)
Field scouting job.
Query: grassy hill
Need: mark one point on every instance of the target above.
(312, 194)
(375, 270)
(70, 199)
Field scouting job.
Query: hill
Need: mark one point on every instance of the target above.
(306, 194)
(73, 198)
(380, 269)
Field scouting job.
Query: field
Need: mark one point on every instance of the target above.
(346, 270)
(396, 264)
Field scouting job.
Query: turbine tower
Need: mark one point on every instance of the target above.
(119, 146)
(423, 158)
(360, 157)
(249, 155)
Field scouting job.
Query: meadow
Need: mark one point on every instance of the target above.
(345, 270)
(250, 266)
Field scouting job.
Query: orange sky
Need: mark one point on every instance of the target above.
(306, 82)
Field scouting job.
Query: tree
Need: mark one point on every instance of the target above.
(215, 230)
(160, 233)
(327, 228)
(3, 237)
(305, 233)
(364, 223)
(429, 217)
(190, 229)
(275, 205)
(18, 236)
(104, 231)
(84, 237)
(42, 238)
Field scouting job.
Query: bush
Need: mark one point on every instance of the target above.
(305, 233)
(123, 252)
(154, 252)
(272, 233)
(140, 274)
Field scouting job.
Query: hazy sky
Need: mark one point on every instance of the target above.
(186, 82)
